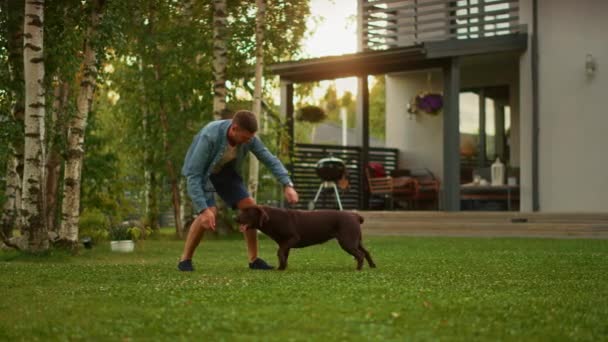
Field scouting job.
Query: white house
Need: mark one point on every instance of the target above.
(521, 79)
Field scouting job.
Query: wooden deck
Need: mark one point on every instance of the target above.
(486, 224)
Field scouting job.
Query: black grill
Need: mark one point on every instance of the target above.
(330, 169)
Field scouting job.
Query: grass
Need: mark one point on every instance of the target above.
(423, 289)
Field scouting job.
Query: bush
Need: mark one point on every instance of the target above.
(120, 233)
(128, 233)
(95, 224)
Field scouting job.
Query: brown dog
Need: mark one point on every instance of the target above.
(300, 228)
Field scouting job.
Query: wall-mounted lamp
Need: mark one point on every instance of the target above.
(590, 65)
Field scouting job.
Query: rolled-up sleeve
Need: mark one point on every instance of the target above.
(195, 170)
(273, 163)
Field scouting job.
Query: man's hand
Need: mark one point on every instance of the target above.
(207, 218)
(291, 195)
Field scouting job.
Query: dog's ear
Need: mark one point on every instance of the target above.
(263, 216)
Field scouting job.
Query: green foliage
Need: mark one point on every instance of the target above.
(161, 55)
(456, 289)
(95, 224)
(11, 19)
(377, 109)
(103, 186)
(118, 233)
(312, 114)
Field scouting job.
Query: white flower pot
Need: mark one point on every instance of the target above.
(124, 246)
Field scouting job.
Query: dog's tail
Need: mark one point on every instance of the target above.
(359, 217)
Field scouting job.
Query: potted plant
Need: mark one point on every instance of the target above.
(121, 239)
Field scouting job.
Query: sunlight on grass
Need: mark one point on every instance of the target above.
(423, 288)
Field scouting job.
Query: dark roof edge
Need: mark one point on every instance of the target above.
(429, 54)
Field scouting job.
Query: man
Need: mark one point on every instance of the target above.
(211, 165)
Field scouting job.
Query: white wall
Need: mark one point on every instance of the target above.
(573, 174)
(419, 140)
(573, 136)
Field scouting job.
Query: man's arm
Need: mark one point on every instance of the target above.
(276, 167)
(270, 161)
(195, 168)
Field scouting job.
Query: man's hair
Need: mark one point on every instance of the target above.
(246, 120)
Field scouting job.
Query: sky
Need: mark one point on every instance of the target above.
(332, 31)
(332, 28)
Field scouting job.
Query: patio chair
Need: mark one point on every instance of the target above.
(427, 188)
(390, 188)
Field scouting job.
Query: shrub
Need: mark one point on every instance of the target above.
(128, 233)
(119, 233)
(95, 224)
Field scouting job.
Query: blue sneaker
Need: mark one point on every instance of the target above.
(185, 265)
(259, 264)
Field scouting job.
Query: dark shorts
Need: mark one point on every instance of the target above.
(229, 186)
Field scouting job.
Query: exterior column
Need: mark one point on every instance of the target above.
(287, 113)
(363, 114)
(482, 148)
(451, 135)
(499, 129)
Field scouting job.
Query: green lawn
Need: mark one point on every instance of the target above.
(423, 289)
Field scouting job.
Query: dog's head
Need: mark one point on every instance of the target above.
(252, 218)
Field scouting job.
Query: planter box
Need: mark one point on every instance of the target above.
(125, 246)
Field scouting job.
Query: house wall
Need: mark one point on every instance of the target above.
(573, 118)
(420, 138)
(573, 121)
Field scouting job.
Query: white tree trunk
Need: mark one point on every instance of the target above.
(13, 196)
(10, 217)
(220, 60)
(34, 230)
(260, 23)
(70, 210)
(220, 56)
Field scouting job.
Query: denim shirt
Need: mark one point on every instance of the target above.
(207, 149)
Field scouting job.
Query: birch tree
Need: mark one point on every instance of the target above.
(33, 232)
(70, 211)
(260, 24)
(220, 56)
(14, 168)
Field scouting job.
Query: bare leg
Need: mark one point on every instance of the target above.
(251, 235)
(193, 239)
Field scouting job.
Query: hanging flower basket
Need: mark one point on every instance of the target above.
(430, 103)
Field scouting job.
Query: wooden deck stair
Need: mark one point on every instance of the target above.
(486, 224)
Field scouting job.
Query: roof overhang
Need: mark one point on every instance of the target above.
(423, 56)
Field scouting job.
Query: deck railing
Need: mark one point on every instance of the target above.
(394, 23)
(307, 182)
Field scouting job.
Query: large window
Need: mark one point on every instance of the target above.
(485, 125)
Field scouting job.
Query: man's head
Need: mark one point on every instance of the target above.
(243, 128)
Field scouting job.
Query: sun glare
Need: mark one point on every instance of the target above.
(331, 31)
(332, 28)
